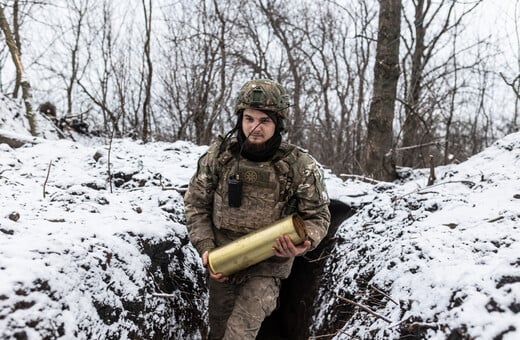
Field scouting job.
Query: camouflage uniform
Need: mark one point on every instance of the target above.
(290, 182)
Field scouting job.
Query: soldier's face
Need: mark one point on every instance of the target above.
(265, 126)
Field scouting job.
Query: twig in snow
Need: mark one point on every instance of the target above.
(414, 325)
(55, 220)
(383, 293)
(319, 258)
(47, 178)
(4, 170)
(164, 295)
(365, 308)
(109, 150)
(469, 183)
(496, 219)
(359, 178)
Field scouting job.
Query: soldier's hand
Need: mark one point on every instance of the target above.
(219, 277)
(286, 248)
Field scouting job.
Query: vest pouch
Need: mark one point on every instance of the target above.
(234, 193)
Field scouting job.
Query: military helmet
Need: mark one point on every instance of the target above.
(263, 95)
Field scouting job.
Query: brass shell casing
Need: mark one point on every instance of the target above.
(256, 246)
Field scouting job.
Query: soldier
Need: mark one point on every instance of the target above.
(246, 182)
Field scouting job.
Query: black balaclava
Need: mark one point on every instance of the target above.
(265, 151)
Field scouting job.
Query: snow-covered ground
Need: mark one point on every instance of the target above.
(83, 262)
(70, 261)
(436, 261)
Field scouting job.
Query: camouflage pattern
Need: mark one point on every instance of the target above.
(240, 307)
(291, 182)
(263, 95)
(270, 189)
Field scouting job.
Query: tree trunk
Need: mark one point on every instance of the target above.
(380, 164)
(411, 127)
(149, 66)
(16, 36)
(26, 87)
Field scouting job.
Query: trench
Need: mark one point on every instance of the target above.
(293, 316)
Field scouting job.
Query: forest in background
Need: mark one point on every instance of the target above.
(163, 70)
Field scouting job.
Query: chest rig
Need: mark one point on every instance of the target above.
(266, 190)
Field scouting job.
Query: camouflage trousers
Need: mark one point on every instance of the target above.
(237, 309)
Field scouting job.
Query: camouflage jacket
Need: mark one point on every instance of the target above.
(290, 182)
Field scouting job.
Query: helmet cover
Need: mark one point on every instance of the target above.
(263, 95)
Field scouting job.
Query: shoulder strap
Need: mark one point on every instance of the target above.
(224, 155)
(286, 168)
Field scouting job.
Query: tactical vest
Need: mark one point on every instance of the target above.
(266, 191)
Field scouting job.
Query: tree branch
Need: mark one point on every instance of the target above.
(365, 308)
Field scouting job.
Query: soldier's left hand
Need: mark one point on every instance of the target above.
(286, 248)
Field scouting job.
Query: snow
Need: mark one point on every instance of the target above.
(448, 253)
(81, 248)
(78, 260)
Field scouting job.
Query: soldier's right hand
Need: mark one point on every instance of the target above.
(218, 277)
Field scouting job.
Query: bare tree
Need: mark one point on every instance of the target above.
(121, 70)
(290, 37)
(17, 14)
(96, 89)
(514, 82)
(515, 87)
(149, 69)
(4, 56)
(386, 74)
(362, 50)
(435, 20)
(320, 34)
(197, 77)
(331, 82)
(451, 110)
(349, 65)
(202, 86)
(114, 86)
(80, 10)
(16, 35)
(107, 63)
(413, 118)
(24, 83)
(252, 42)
